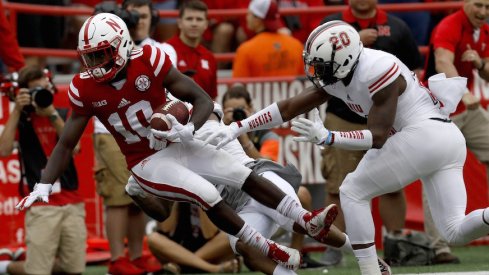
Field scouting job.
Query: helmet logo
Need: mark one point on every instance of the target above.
(111, 22)
(340, 41)
(142, 83)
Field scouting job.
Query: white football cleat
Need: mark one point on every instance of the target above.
(319, 221)
(385, 269)
(285, 256)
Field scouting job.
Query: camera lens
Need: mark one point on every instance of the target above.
(41, 96)
(239, 114)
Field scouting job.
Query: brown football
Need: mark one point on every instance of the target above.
(174, 107)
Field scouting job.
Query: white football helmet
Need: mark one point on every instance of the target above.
(331, 52)
(104, 46)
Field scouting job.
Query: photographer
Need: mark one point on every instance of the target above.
(55, 230)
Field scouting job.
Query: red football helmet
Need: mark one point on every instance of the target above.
(104, 46)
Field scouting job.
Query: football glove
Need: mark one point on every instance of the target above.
(40, 193)
(223, 135)
(311, 130)
(155, 142)
(177, 131)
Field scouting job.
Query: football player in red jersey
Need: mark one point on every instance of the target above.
(122, 87)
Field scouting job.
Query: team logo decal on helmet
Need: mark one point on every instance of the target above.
(142, 83)
(331, 52)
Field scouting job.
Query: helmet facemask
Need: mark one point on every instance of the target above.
(103, 62)
(320, 72)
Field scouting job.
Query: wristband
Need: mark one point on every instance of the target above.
(267, 118)
(352, 140)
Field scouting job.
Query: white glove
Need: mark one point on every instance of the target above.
(178, 130)
(40, 193)
(311, 130)
(156, 143)
(134, 189)
(224, 135)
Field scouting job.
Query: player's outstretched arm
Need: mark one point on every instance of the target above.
(185, 89)
(58, 161)
(271, 116)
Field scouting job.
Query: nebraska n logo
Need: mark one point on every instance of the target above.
(114, 25)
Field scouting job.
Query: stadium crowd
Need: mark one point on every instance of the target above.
(267, 44)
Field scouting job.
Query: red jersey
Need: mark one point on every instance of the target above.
(126, 111)
(198, 63)
(454, 33)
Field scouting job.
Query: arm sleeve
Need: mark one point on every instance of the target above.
(76, 101)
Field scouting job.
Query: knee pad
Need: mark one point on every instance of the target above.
(210, 197)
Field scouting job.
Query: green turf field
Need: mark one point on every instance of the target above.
(473, 258)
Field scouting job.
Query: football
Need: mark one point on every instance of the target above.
(174, 107)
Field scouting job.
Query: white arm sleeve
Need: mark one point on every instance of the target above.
(352, 140)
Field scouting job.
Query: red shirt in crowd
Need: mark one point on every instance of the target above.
(198, 63)
(454, 33)
(9, 51)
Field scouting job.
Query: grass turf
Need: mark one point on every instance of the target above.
(473, 258)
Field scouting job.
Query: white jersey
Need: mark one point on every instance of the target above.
(375, 70)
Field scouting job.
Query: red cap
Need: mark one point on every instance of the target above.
(268, 11)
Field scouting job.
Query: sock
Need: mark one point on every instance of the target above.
(250, 236)
(346, 247)
(3, 266)
(367, 260)
(280, 270)
(292, 209)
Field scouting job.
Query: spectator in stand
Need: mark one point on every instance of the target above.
(381, 31)
(165, 27)
(124, 219)
(39, 31)
(224, 33)
(301, 25)
(278, 55)
(9, 52)
(418, 21)
(237, 105)
(458, 47)
(55, 231)
(194, 60)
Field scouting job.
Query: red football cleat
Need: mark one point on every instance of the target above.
(288, 257)
(122, 266)
(147, 263)
(319, 221)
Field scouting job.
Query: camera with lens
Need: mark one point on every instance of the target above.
(239, 114)
(131, 18)
(41, 96)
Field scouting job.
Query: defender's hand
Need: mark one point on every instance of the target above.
(156, 143)
(311, 130)
(40, 193)
(223, 135)
(178, 130)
